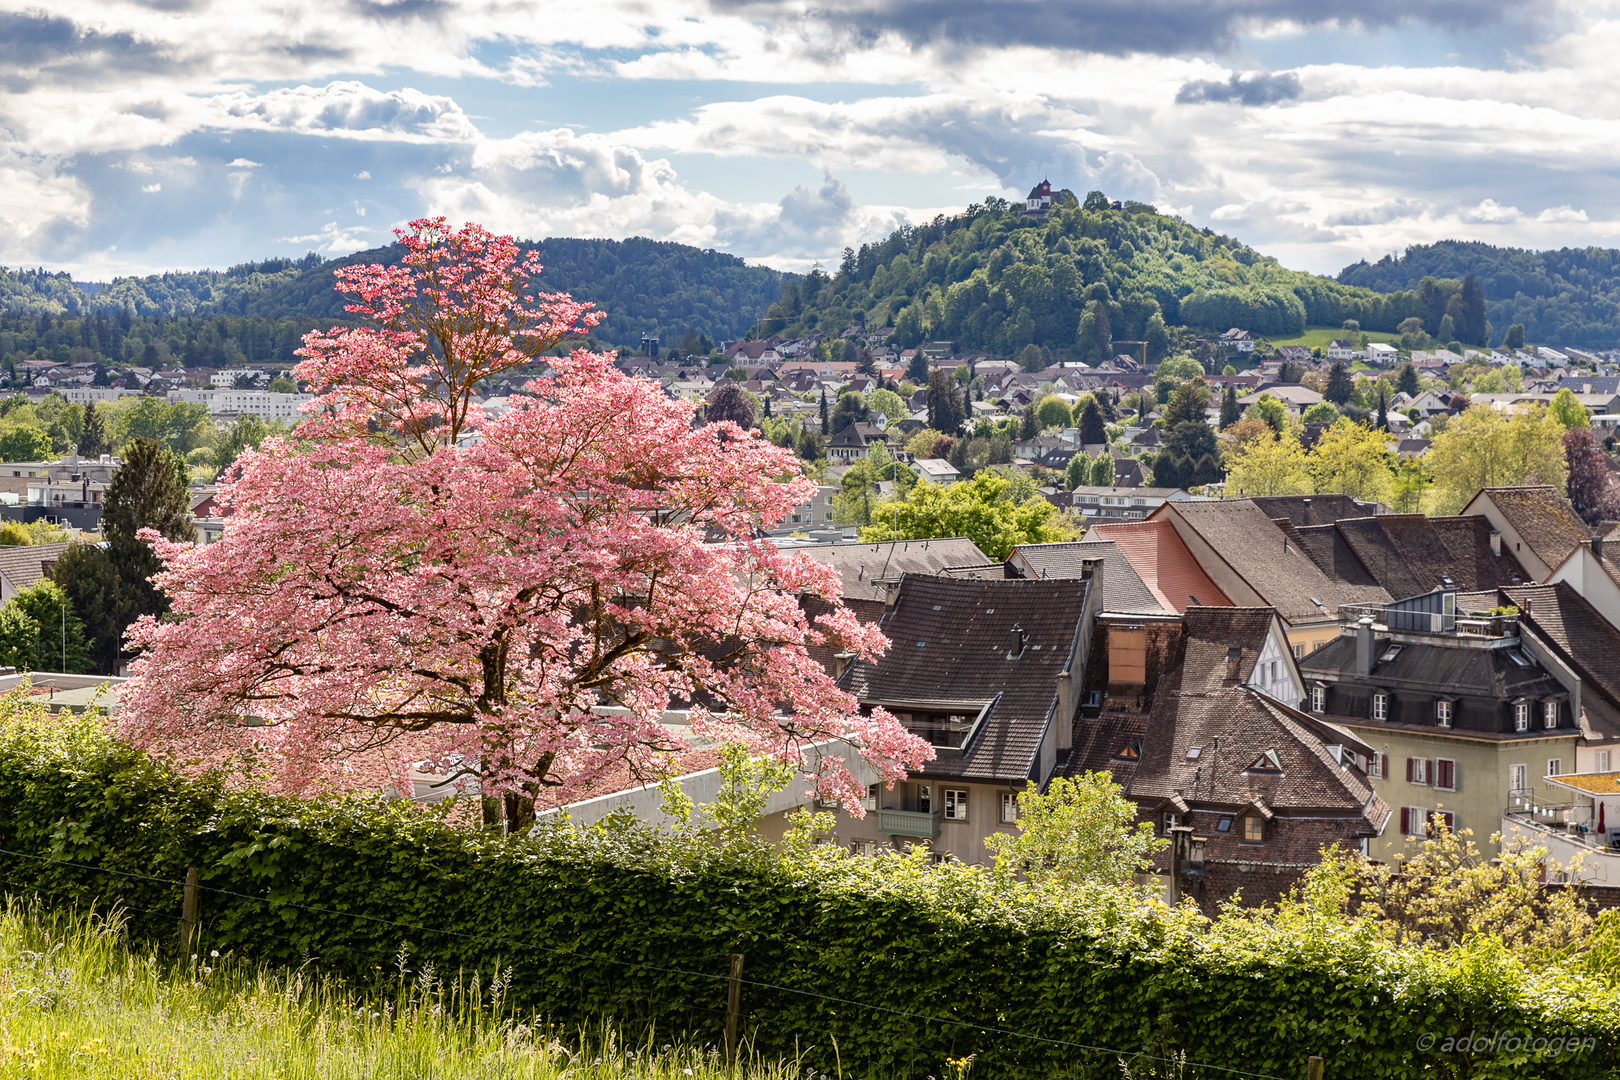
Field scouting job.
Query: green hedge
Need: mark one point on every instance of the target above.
(883, 968)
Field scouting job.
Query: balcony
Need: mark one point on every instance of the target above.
(923, 825)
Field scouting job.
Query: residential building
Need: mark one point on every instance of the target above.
(1341, 349)
(1536, 524)
(1381, 354)
(989, 672)
(1464, 712)
(1295, 398)
(1241, 340)
(855, 442)
(936, 471)
(1222, 749)
(1126, 502)
(22, 566)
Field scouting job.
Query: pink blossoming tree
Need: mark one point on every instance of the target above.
(404, 582)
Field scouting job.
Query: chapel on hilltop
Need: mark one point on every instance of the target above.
(1040, 198)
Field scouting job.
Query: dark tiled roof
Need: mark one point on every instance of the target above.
(1581, 634)
(1282, 573)
(949, 643)
(1432, 668)
(858, 435)
(1123, 589)
(24, 565)
(862, 566)
(1305, 510)
(1199, 705)
(1475, 565)
(1333, 554)
(1104, 745)
(1543, 518)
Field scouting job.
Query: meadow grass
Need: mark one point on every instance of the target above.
(77, 1001)
(1317, 337)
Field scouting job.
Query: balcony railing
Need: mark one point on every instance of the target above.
(924, 825)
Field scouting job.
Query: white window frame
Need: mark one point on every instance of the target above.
(1420, 771)
(1549, 715)
(1009, 807)
(870, 801)
(1521, 716)
(1319, 699)
(1518, 778)
(1417, 822)
(1380, 706)
(1555, 766)
(1451, 786)
(1377, 765)
(1600, 761)
(1443, 712)
(956, 804)
(1171, 820)
(863, 847)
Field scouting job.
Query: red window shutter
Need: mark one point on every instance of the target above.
(1450, 819)
(1406, 811)
(1410, 770)
(1445, 773)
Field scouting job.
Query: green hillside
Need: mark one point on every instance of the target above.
(1076, 280)
(1566, 297)
(645, 286)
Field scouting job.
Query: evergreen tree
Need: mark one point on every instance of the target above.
(1077, 473)
(1407, 381)
(944, 406)
(1095, 338)
(1339, 388)
(917, 371)
(94, 441)
(1472, 329)
(824, 431)
(1383, 408)
(1514, 339)
(1230, 412)
(850, 409)
(1092, 429)
(1031, 426)
(1102, 470)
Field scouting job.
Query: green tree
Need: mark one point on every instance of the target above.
(1351, 458)
(56, 634)
(1339, 388)
(247, 431)
(1032, 358)
(1269, 408)
(1179, 368)
(1483, 447)
(1472, 327)
(983, 509)
(1076, 474)
(917, 370)
(1053, 412)
(889, 403)
(1230, 412)
(1268, 466)
(1514, 338)
(283, 385)
(1102, 470)
(824, 417)
(1095, 337)
(1320, 413)
(19, 443)
(93, 438)
(169, 423)
(1082, 830)
(1567, 411)
(945, 409)
(15, 534)
(1090, 423)
(1187, 403)
(1407, 381)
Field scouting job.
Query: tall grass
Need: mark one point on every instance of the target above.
(76, 1001)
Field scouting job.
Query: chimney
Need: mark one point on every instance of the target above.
(1496, 543)
(1364, 646)
(1016, 645)
(1597, 546)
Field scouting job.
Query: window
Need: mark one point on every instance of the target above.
(1170, 822)
(1009, 807)
(1318, 699)
(1254, 828)
(863, 847)
(1299, 652)
(1554, 766)
(1518, 777)
(1224, 825)
(1549, 714)
(1442, 713)
(870, 802)
(1600, 761)
(1380, 706)
(1414, 821)
(1521, 716)
(1378, 765)
(925, 798)
(1417, 771)
(1445, 774)
(955, 805)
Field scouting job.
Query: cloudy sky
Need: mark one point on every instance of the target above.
(140, 136)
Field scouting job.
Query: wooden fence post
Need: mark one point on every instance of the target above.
(1313, 1068)
(733, 1002)
(188, 912)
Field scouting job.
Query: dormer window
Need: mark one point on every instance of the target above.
(1549, 714)
(1521, 716)
(1380, 706)
(1266, 762)
(1131, 751)
(1442, 713)
(1319, 699)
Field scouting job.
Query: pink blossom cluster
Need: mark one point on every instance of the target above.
(390, 595)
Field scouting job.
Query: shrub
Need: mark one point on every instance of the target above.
(872, 967)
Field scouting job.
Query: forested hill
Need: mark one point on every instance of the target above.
(997, 279)
(645, 286)
(1566, 297)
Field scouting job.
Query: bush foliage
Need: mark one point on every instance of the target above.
(872, 967)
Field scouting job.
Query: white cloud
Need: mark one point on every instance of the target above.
(333, 238)
(1490, 212)
(243, 163)
(152, 188)
(1565, 214)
